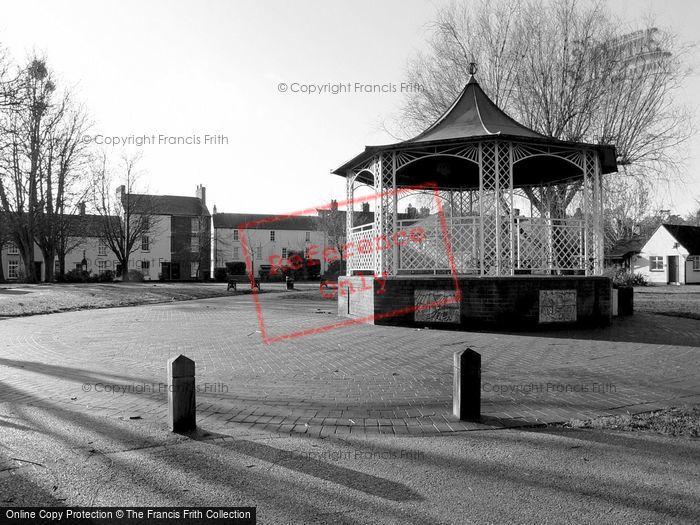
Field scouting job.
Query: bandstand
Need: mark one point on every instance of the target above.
(515, 239)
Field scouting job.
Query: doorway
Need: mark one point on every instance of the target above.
(672, 268)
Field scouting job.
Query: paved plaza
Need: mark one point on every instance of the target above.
(360, 379)
(352, 425)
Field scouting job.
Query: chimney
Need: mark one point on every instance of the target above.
(424, 211)
(202, 194)
(411, 212)
(81, 208)
(214, 210)
(365, 207)
(121, 190)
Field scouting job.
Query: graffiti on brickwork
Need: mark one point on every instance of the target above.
(557, 306)
(436, 306)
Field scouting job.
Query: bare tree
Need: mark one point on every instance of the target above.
(23, 131)
(332, 224)
(63, 170)
(125, 216)
(626, 207)
(203, 253)
(566, 69)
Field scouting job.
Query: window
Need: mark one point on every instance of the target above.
(284, 253)
(56, 267)
(696, 263)
(194, 225)
(146, 222)
(258, 252)
(306, 253)
(308, 236)
(145, 243)
(272, 235)
(12, 269)
(146, 267)
(195, 243)
(235, 253)
(102, 248)
(656, 263)
(12, 249)
(101, 266)
(235, 235)
(194, 266)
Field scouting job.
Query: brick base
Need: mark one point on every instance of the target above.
(505, 303)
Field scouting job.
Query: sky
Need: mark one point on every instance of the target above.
(228, 82)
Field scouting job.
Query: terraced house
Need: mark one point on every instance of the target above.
(176, 246)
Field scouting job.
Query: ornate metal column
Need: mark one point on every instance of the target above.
(385, 208)
(593, 214)
(496, 208)
(349, 196)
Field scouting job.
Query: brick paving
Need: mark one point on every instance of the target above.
(354, 380)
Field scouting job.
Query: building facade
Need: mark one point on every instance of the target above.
(268, 243)
(671, 255)
(175, 247)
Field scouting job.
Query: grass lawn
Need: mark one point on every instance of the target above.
(679, 301)
(30, 299)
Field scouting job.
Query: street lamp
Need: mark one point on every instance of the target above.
(83, 263)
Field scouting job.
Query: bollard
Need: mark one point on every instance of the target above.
(290, 283)
(466, 391)
(625, 300)
(181, 394)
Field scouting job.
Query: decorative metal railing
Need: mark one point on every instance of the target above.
(532, 246)
(366, 259)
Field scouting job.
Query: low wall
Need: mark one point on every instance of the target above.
(504, 303)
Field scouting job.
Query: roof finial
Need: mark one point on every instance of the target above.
(472, 68)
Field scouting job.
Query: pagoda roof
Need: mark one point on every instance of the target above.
(474, 114)
(474, 117)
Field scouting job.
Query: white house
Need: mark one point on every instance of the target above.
(269, 239)
(671, 255)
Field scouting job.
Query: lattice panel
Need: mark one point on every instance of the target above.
(598, 216)
(488, 192)
(546, 245)
(464, 239)
(589, 213)
(385, 258)
(349, 195)
(532, 244)
(504, 210)
(359, 260)
(430, 255)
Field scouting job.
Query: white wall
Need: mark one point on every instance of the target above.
(227, 249)
(159, 248)
(662, 244)
(690, 275)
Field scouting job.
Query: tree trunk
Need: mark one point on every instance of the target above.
(125, 270)
(28, 261)
(49, 257)
(2, 273)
